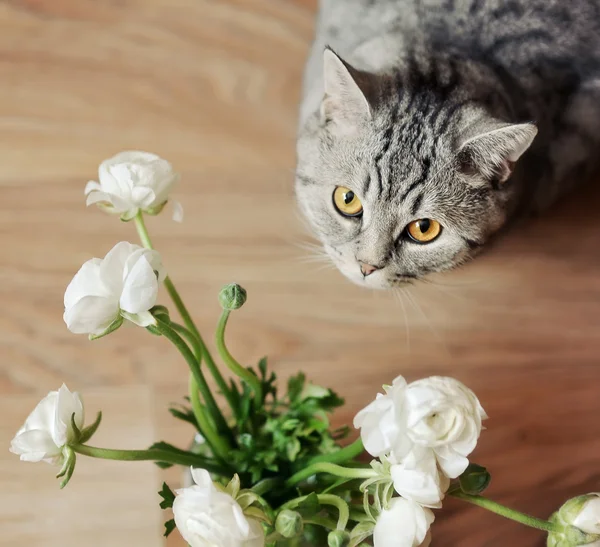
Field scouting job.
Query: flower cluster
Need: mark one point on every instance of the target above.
(293, 483)
(423, 433)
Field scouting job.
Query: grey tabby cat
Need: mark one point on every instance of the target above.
(415, 113)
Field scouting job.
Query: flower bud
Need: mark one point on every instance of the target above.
(580, 518)
(289, 524)
(232, 297)
(338, 538)
(475, 479)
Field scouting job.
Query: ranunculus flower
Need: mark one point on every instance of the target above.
(445, 415)
(588, 519)
(437, 412)
(404, 524)
(417, 478)
(123, 284)
(134, 181)
(207, 517)
(48, 429)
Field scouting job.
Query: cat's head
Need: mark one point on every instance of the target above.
(402, 179)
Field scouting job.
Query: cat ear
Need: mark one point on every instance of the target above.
(493, 154)
(345, 102)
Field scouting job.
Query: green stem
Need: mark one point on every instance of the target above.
(222, 425)
(217, 443)
(332, 469)
(230, 361)
(321, 521)
(185, 315)
(343, 455)
(508, 513)
(152, 454)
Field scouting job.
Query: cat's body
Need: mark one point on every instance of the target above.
(423, 114)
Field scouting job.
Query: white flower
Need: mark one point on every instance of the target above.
(438, 413)
(404, 524)
(207, 517)
(445, 415)
(48, 428)
(417, 478)
(134, 181)
(123, 284)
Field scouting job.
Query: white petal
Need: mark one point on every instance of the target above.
(97, 197)
(257, 536)
(92, 185)
(417, 478)
(588, 519)
(142, 319)
(177, 210)
(91, 315)
(34, 446)
(142, 196)
(112, 270)
(140, 290)
(202, 478)
(86, 282)
(67, 404)
(450, 462)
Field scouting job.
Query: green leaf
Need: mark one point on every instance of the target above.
(76, 430)
(169, 527)
(262, 366)
(312, 391)
(233, 488)
(185, 415)
(295, 386)
(293, 449)
(474, 480)
(360, 532)
(87, 432)
(167, 495)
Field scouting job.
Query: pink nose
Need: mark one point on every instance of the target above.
(367, 269)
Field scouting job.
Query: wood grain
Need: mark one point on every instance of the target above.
(213, 86)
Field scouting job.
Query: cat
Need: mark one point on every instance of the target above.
(426, 126)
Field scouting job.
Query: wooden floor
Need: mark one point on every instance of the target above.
(213, 86)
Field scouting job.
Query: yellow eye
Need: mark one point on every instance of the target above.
(347, 202)
(424, 230)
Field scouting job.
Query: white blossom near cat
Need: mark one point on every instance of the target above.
(206, 516)
(134, 181)
(122, 285)
(48, 429)
(403, 524)
(436, 413)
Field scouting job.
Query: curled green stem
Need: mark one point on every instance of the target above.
(332, 469)
(508, 513)
(230, 361)
(325, 499)
(152, 454)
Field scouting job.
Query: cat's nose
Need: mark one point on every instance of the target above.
(367, 269)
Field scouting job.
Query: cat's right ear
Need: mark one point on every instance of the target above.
(345, 102)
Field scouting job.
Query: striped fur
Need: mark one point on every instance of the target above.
(469, 112)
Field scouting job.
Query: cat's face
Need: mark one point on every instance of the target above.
(390, 198)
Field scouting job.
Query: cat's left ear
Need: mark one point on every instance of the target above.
(345, 101)
(493, 153)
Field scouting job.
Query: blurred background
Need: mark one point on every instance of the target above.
(213, 86)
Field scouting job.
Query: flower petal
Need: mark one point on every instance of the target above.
(177, 210)
(67, 404)
(91, 315)
(140, 289)
(86, 282)
(35, 445)
(91, 186)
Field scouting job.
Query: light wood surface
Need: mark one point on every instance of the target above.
(213, 86)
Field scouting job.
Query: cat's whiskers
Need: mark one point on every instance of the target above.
(397, 292)
(415, 303)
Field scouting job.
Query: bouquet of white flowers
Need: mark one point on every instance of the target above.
(269, 469)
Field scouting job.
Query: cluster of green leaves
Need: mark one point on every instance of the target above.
(275, 438)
